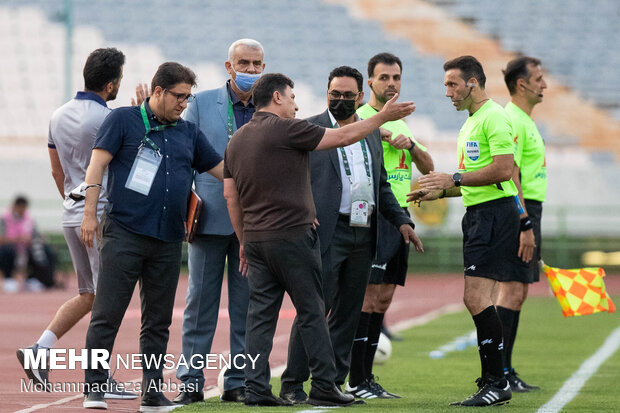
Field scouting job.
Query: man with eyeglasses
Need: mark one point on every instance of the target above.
(350, 188)
(218, 113)
(150, 153)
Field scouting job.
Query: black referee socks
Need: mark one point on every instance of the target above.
(510, 321)
(374, 331)
(358, 351)
(490, 341)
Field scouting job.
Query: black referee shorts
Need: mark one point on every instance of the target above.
(392, 260)
(491, 241)
(534, 211)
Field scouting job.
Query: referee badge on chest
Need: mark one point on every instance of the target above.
(472, 149)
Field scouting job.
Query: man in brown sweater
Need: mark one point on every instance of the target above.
(269, 198)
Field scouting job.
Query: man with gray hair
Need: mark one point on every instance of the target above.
(218, 113)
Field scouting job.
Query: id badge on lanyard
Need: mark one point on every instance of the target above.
(143, 171)
(361, 192)
(147, 160)
(360, 206)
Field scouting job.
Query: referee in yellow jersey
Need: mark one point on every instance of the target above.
(525, 82)
(485, 155)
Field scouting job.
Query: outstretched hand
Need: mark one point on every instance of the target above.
(436, 180)
(393, 110)
(420, 195)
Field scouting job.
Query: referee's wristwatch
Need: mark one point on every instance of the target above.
(457, 178)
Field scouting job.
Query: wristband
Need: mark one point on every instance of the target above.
(526, 224)
(92, 186)
(412, 144)
(443, 194)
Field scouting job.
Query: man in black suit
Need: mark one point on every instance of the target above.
(350, 188)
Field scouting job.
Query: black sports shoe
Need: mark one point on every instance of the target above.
(518, 385)
(382, 393)
(94, 400)
(117, 391)
(362, 391)
(38, 375)
(490, 393)
(157, 402)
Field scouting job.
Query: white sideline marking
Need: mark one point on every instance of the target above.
(46, 405)
(278, 370)
(428, 317)
(458, 344)
(571, 387)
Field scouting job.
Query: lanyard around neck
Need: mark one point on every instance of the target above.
(149, 128)
(229, 123)
(345, 161)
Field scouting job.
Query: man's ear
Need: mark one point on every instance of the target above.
(157, 92)
(109, 87)
(360, 98)
(228, 67)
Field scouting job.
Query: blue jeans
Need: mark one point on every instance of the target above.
(207, 256)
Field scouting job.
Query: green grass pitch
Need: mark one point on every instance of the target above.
(549, 349)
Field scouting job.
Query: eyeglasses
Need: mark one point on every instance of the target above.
(181, 97)
(334, 94)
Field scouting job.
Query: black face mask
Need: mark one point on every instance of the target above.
(342, 109)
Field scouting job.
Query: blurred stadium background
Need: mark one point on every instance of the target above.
(45, 43)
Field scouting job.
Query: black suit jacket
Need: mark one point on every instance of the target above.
(327, 187)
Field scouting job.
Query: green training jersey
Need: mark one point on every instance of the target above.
(530, 154)
(485, 134)
(397, 161)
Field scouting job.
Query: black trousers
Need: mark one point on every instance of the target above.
(346, 269)
(292, 265)
(126, 258)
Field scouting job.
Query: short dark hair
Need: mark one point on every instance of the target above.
(385, 58)
(102, 66)
(20, 200)
(263, 89)
(517, 69)
(469, 67)
(171, 73)
(347, 71)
